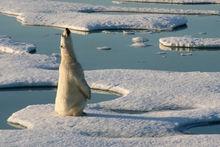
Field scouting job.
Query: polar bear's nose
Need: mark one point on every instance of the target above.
(68, 32)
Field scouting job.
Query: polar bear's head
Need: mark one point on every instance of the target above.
(66, 44)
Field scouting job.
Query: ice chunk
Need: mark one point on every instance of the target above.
(175, 1)
(77, 16)
(7, 45)
(139, 44)
(28, 70)
(103, 48)
(139, 39)
(190, 42)
(128, 32)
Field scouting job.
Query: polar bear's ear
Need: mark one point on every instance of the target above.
(68, 32)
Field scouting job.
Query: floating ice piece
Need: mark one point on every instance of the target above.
(7, 45)
(116, 2)
(175, 1)
(28, 70)
(189, 42)
(151, 96)
(106, 32)
(139, 39)
(161, 53)
(186, 54)
(128, 32)
(95, 22)
(103, 48)
(139, 44)
(77, 16)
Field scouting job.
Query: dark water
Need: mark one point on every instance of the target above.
(122, 54)
(16, 99)
(204, 128)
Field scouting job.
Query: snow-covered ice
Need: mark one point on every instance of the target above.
(153, 106)
(190, 42)
(75, 16)
(7, 45)
(103, 48)
(28, 70)
(139, 42)
(175, 1)
(139, 39)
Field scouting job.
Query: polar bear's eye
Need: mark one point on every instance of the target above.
(61, 46)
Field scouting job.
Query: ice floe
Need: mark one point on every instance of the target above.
(28, 70)
(7, 45)
(154, 105)
(175, 1)
(190, 42)
(76, 16)
(139, 39)
(103, 48)
(139, 42)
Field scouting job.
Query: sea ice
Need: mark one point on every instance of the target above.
(28, 70)
(7, 45)
(103, 48)
(76, 16)
(139, 39)
(175, 1)
(153, 106)
(139, 42)
(190, 42)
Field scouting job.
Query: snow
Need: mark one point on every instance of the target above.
(190, 42)
(153, 107)
(7, 45)
(76, 16)
(21, 70)
(175, 1)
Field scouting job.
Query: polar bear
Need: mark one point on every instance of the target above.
(73, 90)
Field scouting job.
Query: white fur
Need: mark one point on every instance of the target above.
(73, 90)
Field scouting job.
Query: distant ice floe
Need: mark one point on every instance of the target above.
(154, 105)
(190, 42)
(103, 48)
(139, 39)
(139, 42)
(77, 17)
(7, 45)
(175, 1)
